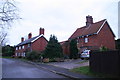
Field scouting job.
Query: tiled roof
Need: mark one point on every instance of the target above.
(91, 29)
(29, 40)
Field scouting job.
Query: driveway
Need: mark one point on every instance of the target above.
(12, 68)
(70, 63)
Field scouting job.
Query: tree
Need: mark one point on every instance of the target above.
(53, 49)
(8, 50)
(8, 14)
(73, 49)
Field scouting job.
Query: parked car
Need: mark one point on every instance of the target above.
(85, 54)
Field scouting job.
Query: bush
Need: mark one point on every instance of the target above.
(103, 48)
(32, 55)
(8, 50)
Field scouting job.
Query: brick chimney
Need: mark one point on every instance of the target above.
(29, 35)
(22, 39)
(89, 20)
(41, 31)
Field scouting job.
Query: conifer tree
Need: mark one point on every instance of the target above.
(73, 49)
(53, 49)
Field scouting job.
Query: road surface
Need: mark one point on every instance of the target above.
(12, 68)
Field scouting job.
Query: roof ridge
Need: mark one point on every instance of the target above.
(94, 27)
(99, 21)
(28, 40)
(92, 23)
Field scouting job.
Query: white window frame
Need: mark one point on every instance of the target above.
(15, 54)
(24, 54)
(18, 54)
(16, 48)
(86, 40)
(28, 45)
(23, 47)
(19, 47)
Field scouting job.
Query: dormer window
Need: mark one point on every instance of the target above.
(86, 40)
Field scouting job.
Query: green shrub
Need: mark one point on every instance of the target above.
(32, 55)
(103, 48)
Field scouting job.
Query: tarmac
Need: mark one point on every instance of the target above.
(61, 70)
(70, 63)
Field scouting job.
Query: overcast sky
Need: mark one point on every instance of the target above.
(61, 17)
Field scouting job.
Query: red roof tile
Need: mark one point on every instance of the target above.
(93, 28)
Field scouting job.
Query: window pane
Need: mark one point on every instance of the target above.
(86, 40)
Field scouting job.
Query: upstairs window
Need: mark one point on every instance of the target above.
(86, 40)
(78, 40)
(29, 45)
(19, 47)
(22, 47)
(16, 48)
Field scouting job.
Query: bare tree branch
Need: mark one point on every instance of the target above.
(8, 14)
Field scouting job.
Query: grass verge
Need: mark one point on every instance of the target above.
(86, 71)
(9, 57)
(6, 57)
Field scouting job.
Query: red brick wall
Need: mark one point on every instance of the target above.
(92, 41)
(39, 44)
(103, 38)
(106, 38)
(21, 50)
(65, 49)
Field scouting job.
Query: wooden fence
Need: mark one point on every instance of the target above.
(107, 62)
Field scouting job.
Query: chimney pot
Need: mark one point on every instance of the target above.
(41, 31)
(29, 35)
(89, 20)
(22, 39)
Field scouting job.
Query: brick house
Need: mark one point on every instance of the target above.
(92, 36)
(37, 43)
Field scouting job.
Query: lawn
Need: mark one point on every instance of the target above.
(86, 70)
(6, 57)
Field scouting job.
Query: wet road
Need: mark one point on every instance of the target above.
(17, 69)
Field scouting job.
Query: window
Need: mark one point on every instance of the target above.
(15, 54)
(21, 54)
(86, 40)
(18, 54)
(19, 47)
(24, 54)
(78, 40)
(29, 45)
(16, 48)
(22, 47)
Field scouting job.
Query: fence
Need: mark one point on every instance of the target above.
(107, 62)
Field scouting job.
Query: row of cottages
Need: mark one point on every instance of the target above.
(92, 36)
(37, 43)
